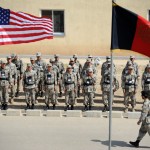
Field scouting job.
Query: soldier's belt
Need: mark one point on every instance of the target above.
(4, 79)
(41, 70)
(147, 82)
(87, 84)
(49, 83)
(129, 84)
(106, 83)
(69, 83)
(13, 76)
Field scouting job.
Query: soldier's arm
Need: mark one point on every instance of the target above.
(21, 69)
(23, 81)
(144, 112)
(142, 81)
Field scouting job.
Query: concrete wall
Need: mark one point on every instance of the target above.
(87, 25)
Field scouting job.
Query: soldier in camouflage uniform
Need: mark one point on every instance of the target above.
(19, 65)
(135, 66)
(144, 119)
(49, 84)
(77, 63)
(146, 81)
(105, 66)
(75, 69)
(5, 81)
(87, 66)
(42, 65)
(29, 86)
(88, 87)
(69, 84)
(129, 86)
(60, 66)
(13, 70)
(105, 87)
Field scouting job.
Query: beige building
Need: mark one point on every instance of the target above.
(81, 26)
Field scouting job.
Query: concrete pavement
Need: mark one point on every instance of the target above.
(42, 133)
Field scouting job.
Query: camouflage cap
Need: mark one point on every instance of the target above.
(3, 61)
(129, 63)
(56, 55)
(131, 57)
(75, 56)
(71, 59)
(13, 55)
(32, 58)
(90, 70)
(88, 60)
(52, 60)
(49, 65)
(29, 65)
(38, 54)
(130, 68)
(108, 57)
(90, 56)
(8, 57)
(69, 66)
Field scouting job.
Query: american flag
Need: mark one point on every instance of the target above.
(19, 27)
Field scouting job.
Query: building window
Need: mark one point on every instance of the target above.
(58, 20)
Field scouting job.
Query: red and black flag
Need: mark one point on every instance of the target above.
(130, 31)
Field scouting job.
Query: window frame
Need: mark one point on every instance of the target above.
(59, 34)
(148, 14)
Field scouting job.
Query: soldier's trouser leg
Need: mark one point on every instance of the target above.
(67, 98)
(47, 97)
(12, 90)
(105, 98)
(143, 130)
(126, 99)
(91, 95)
(53, 97)
(32, 93)
(18, 84)
(72, 97)
(27, 96)
(60, 86)
(1, 96)
(86, 99)
(133, 99)
(40, 85)
(5, 94)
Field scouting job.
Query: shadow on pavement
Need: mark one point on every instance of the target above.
(114, 143)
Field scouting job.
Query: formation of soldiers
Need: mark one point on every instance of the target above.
(52, 79)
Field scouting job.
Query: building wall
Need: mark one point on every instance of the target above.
(87, 25)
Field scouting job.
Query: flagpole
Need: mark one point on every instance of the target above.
(110, 100)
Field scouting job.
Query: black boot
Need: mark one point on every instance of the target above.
(32, 107)
(72, 107)
(60, 94)
(27, 107)
(2, 107)
(105, 108)
(135, 144)
(5, 106)
(42, 94)
(90, 107)
(54, 106)
(85, 108)
(66, 108)
(17, 94)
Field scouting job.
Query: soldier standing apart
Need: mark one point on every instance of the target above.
(19, 66)
(29, 86)
(88, 86)
(105, 87)
(69, 84)
(49, 85)
(42, 66)
(144, 119)
(60, 66)
(146, 81)
(129, 86)
(13, 71)
(5, 81)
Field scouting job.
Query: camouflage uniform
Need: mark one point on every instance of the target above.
(105, 86)
(88, 86)
(19, 65)
(60, 66)
(5, 80)
(13, 70)
(29, 85)
(77, 63)
(69, 83)
(75, 70)
(49, 83)
(105, 66)
(145, 119)
(129, 85)
(146, 81)
(42, 66)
